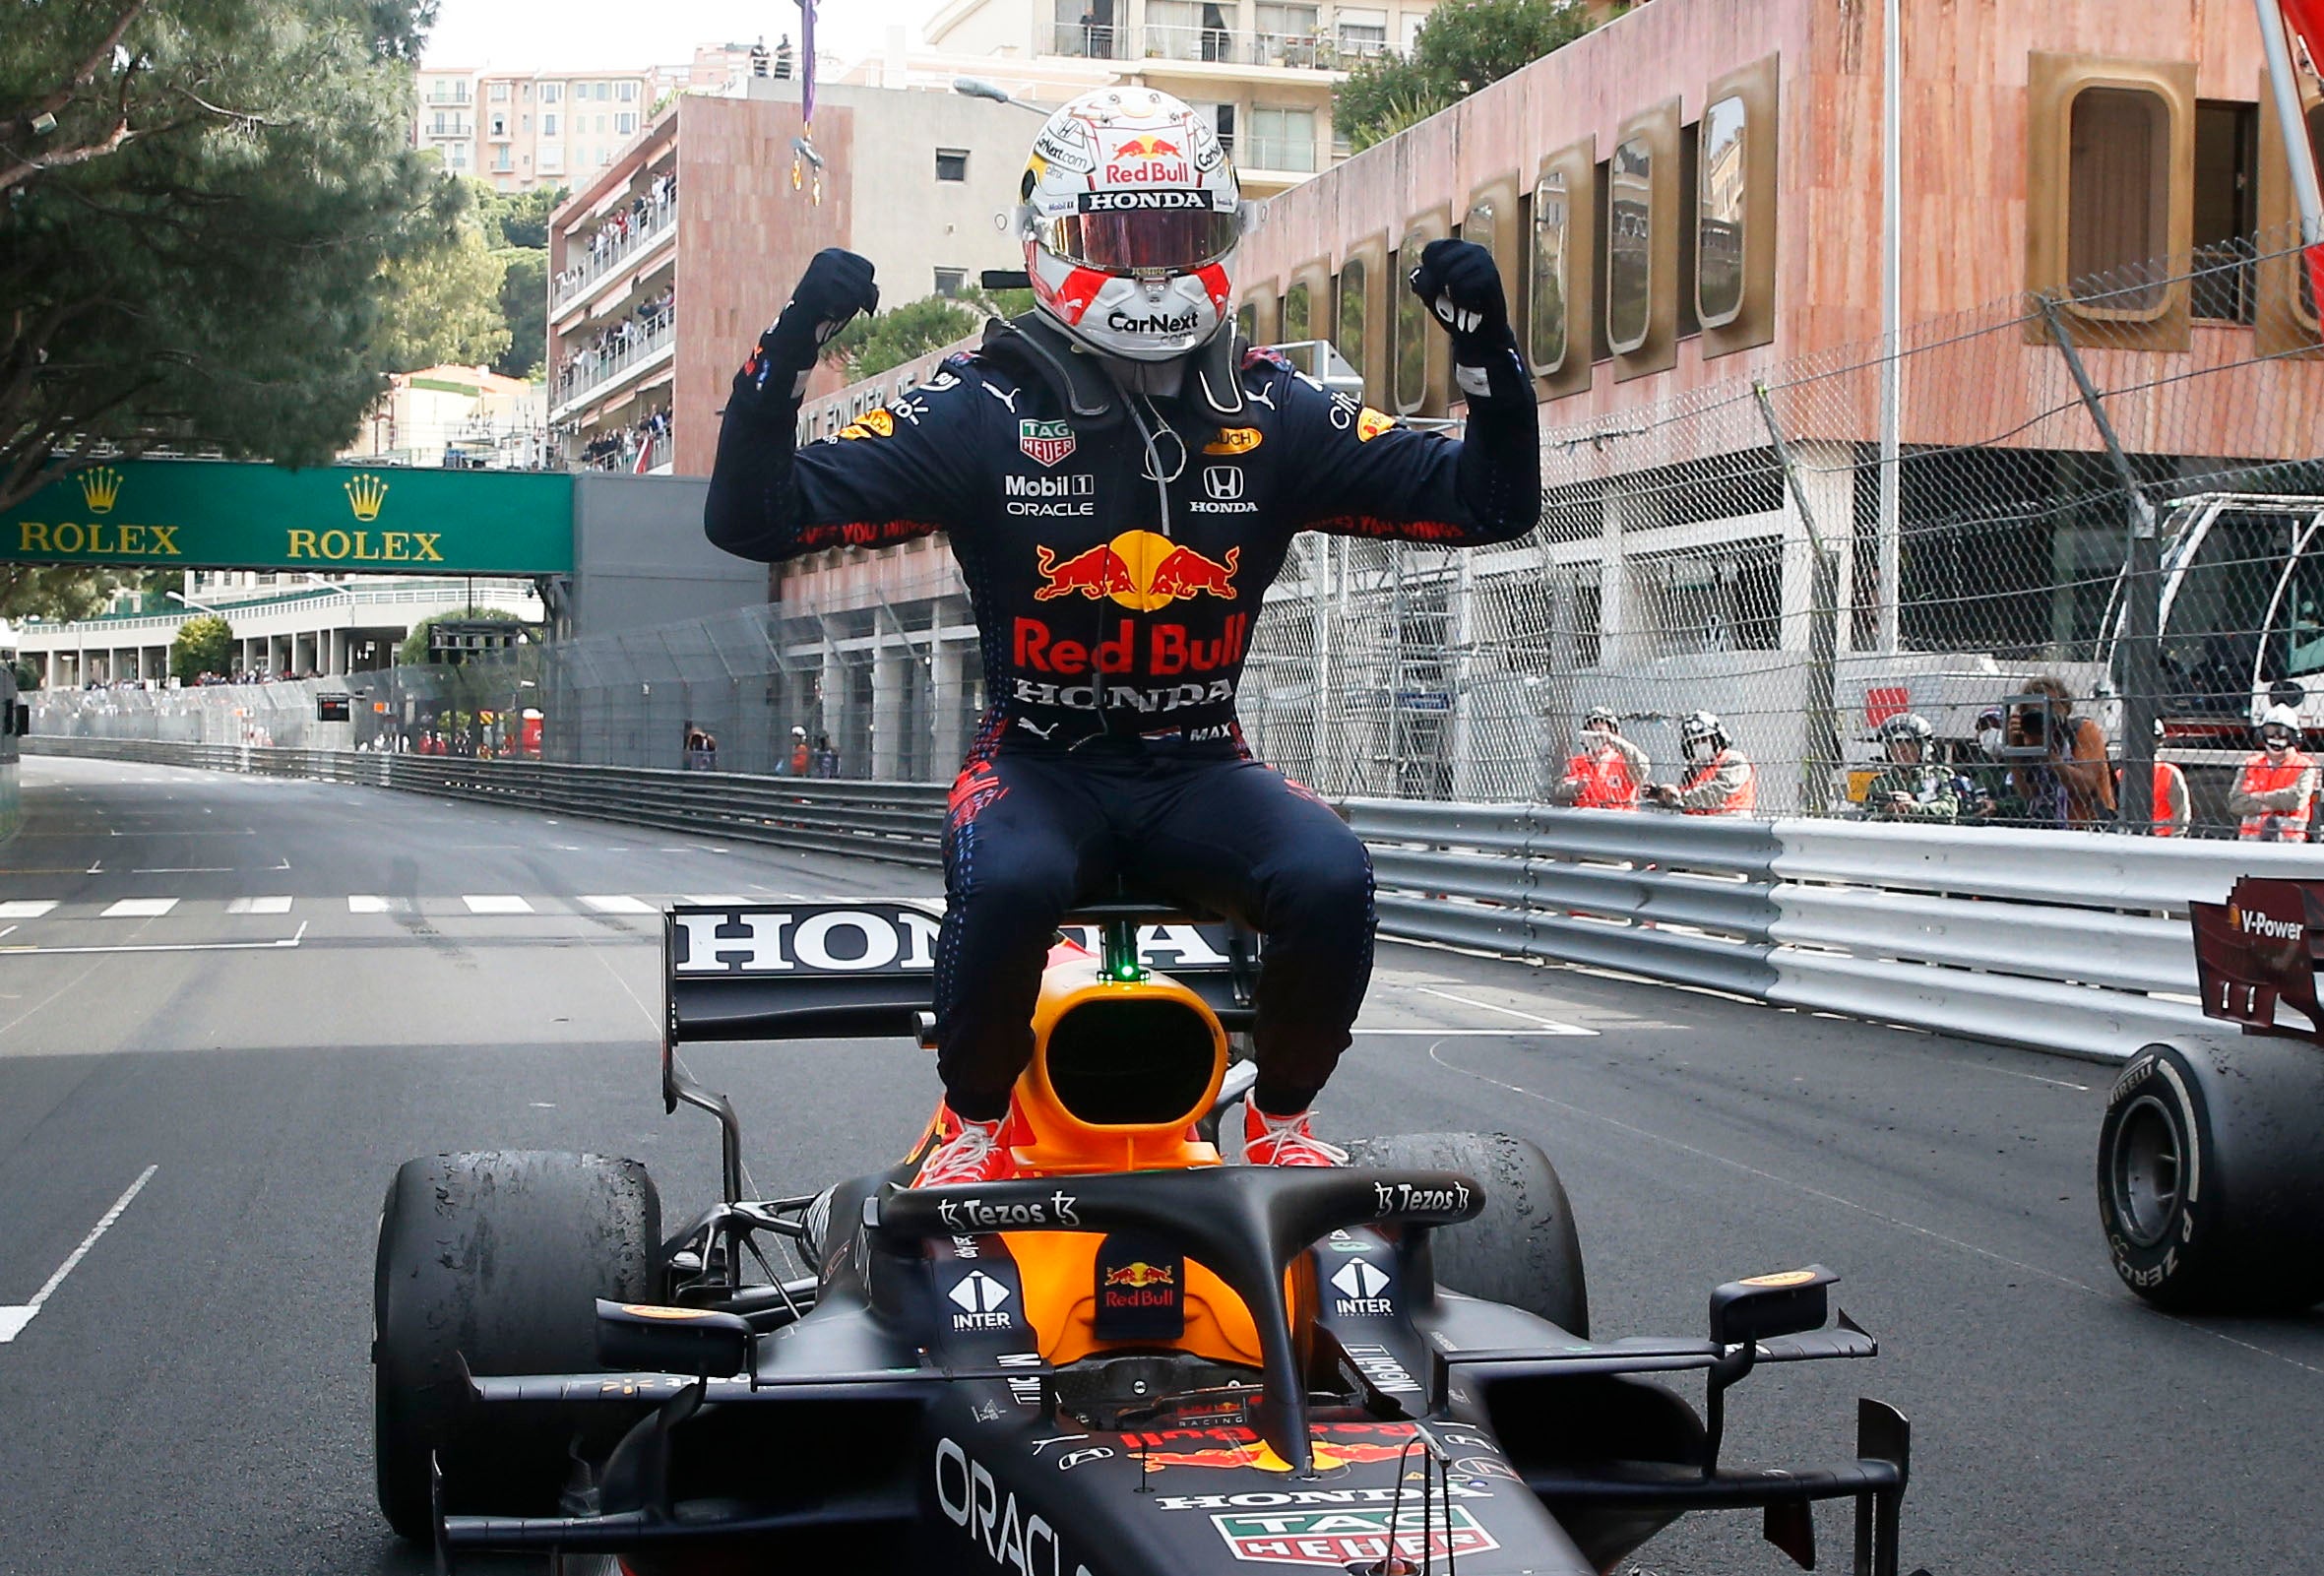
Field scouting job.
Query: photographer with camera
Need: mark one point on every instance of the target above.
(2069, 782)
(1913, 788)
(1607, 771)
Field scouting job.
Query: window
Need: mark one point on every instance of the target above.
(2117, 199)
(601, 123)
(548, 125)
(499, 93)
(2227, 211)
(1223, 122)
(1347, 316)
(549, 92)
(1690, 323)
(604, 92)
(500, 159)
(552, 159)
(500, 126)
(1479, 226)
(525, 91)
(1286, 35)
(1360, 32)
(1282, 138)
(528, 120)
(952, 164)
(1629, 282)
(1409, 333)
(1718, 214)
(626, 92)
(951, 282)
(1545, 326)
(626, 123)
(1296, 316)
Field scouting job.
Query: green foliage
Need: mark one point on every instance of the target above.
(524, 310)
(445, 305)
(1462, 46)
(58, 591)
(516, 219)
(203, 644)
(414, 650)
(197, 252)
(872, 344)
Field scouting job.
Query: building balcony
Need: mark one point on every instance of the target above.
(1155, 44)
(446, 100)
(659, 223)
(648, 343)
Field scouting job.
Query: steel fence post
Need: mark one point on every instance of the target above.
(1823, 725)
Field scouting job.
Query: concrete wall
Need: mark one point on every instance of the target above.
(641, 557)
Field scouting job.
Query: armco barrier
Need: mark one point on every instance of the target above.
(2067, 942)
(902, 822)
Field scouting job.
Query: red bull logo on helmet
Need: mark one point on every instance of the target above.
(1149, 159)
(1142, 570)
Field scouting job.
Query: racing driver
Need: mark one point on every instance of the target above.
(1120, 480)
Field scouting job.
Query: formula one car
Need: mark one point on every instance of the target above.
(2211, 1154)
(1136, 1360)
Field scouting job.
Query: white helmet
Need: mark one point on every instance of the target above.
(2279, 721)
(1130, 216)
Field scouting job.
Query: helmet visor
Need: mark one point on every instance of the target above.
(1168, 240)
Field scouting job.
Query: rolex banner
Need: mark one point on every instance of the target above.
(335, 520)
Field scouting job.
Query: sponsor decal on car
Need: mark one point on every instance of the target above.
(1045, 443)
(1141, 1289)
(980, 1300)
(1363, 1288)
(1401, 1198)
(982, 1214)
(1022, 1541)
(1378, 1365)
(1275, 1499)
(1340, 1538)
(810, 939)
(1779, 1279)
(1235, 1448)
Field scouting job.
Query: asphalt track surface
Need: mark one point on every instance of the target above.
(193, 1395)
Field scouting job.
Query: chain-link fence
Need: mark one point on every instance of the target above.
(2120, 494)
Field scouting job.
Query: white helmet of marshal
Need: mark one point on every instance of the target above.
(1130, 215)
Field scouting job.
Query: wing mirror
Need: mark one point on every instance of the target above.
(639, 1337)
(1743, 1312)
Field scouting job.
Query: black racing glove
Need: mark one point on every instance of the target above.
(837, 286)
(1461, 286)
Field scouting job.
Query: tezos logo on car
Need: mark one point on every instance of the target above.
(980, 1215)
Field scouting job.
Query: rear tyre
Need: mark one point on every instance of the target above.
(497, 1257)
(2211, 1175)
(1522, 1250)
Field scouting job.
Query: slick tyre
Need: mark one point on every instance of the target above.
(497, 1258)
(2211, 1175)
(1522, 1250)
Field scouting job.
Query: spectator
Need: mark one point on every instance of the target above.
(1914, 787)
(1981, 780)
(2171, 792)
(2275, 793)
(783, 57)
(826, 759)
(2071, 785)
(1607, 772)
(1720, 779)
(800, 761)
(1090, 31)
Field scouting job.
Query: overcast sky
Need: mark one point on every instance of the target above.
(584, 34)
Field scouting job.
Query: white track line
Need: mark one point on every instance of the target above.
(12, 1320)
(1471, 1002)
(366, 902)
(618, 905)
(259, 906)
(1559, 1031)
(290, 940)
(26, 908)
(139, 908)
(496, 902)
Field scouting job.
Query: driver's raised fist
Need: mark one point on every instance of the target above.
(1461, 286)
(837, 286)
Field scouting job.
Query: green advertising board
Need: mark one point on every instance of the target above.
(212, 514)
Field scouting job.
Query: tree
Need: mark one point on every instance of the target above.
(61, 593)
(414, 650)
(871, 344)
(524, 309)
(1462, 46)
(203, 644)
(199, 202)
(444, 306)
(516, 219)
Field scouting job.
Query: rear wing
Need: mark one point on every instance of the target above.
(2262, 948)
(865, 968)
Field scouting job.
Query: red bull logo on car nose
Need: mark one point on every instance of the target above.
(1141, 1274)
(1140, 569)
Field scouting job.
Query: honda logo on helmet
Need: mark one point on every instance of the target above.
(1116, 202)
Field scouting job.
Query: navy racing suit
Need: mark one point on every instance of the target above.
(1116, 549)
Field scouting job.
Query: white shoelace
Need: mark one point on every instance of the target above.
(1292, 1136)
(962, 1157)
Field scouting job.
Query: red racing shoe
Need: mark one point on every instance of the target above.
(1285, 1140)
(973, 1153)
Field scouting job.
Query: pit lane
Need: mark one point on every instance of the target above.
(193, 1397)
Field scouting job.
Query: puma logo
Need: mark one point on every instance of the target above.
(1035, 728)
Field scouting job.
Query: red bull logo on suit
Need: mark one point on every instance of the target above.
(1139, 569)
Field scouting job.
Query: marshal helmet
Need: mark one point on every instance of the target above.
(1130, 215)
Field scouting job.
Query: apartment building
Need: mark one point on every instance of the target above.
(456, 416)
(665, 266)
(523, 129)
(1261, 70)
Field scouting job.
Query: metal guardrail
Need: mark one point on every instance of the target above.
(901, 822)
(2072, 942)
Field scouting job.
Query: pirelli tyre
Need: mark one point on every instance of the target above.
(2211, 1175)
(498, 1258)
(1522, 1249)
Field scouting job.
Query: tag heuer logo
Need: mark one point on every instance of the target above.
(1044, 442)
(1339, 1538)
